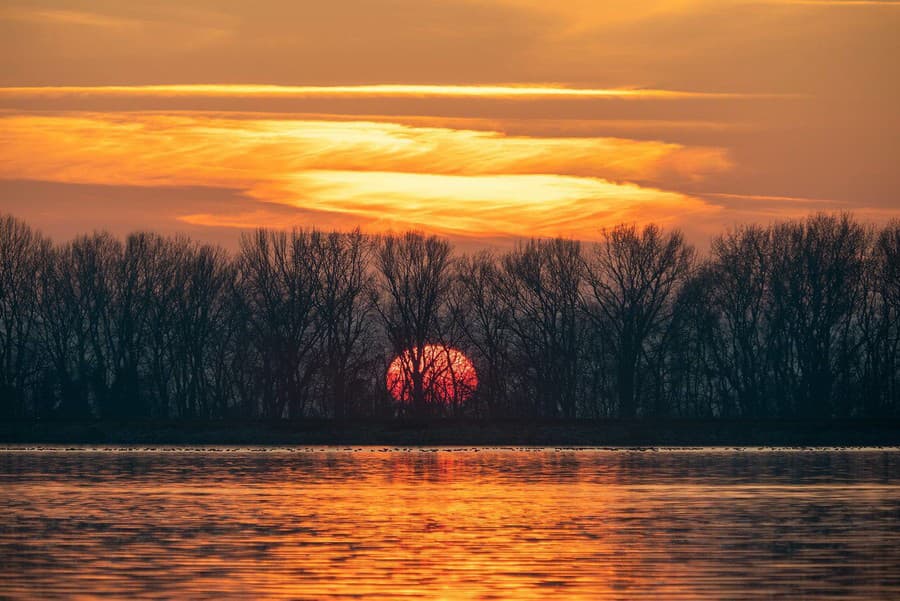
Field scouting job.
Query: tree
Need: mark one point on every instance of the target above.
(343, 312)
(79, 311)
(410, 297)
(279, 289)
(540, 291)
(484, 326)
(691, 365)
(800, 318)
(739, 274)
(817, 269)
(633, 278)
(880, 326)
(198, 331)
(23, 257)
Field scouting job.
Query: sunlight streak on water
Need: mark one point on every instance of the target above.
(451, 524)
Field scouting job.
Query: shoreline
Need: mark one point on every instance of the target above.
(459, 432)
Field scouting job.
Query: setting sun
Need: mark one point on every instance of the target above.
(446, 376)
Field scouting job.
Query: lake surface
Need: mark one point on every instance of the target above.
(449, 524)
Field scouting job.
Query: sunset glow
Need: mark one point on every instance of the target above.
(450, 299)
(542, 120)
(385, 175)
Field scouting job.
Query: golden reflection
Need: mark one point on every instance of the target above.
(448, 523)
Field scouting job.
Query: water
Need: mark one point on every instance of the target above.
(449, 524)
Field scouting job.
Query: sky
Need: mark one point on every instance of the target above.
(487, 121)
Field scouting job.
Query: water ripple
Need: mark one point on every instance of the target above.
(448, 523)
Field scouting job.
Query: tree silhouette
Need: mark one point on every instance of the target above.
(633, 279)
(796, 319)
(23, 257)
(411, 297)
(540, 288)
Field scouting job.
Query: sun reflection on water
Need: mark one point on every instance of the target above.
(449, 524)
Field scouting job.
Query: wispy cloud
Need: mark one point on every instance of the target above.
(146, 146)
(775, 198)
(483, 205)
(532, 126)
(385, 174)
(372, 91)
(848, 3)
(68, 17)
(167, 28)
(774, 207)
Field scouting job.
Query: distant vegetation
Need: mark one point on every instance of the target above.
(799, 319)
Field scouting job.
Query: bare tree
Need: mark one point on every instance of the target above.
(280, 287)
(633, 279)
(23, 256)
(484, 326)
(797, 319)
(740, 272)
(198, 329)
(84, 283)
(880, 326)
(136, 291)
(540, 288)
(99, 294)
(691, 369)
(888, 265)
(817, 269)
(410, 298)
(344, 312)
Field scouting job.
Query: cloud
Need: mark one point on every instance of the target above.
(69, 17)
(371, 91)
(842, 3)
(385, 174)
(768, 207)
(778, 199)
(481, 205)
(153, 149)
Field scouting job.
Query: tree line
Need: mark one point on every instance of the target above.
(799, 319)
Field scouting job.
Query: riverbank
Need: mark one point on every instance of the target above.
(462, 432)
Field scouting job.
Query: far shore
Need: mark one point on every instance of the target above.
(452, 432)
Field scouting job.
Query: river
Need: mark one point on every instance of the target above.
(446, 523)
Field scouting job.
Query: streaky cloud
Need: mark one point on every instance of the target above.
(468, 205)
(463, 182)
(776, 198)
(376, 90)
(849, 3)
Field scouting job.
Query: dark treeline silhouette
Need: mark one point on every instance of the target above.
(796, 320)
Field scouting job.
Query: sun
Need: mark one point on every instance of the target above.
(448, 377)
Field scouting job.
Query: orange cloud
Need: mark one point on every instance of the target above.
(155, 149)
(849, 3)
(482, 205)
(379, 90)
(69, 17)
(387, 175)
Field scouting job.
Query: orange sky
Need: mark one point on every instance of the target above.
(486, 121)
